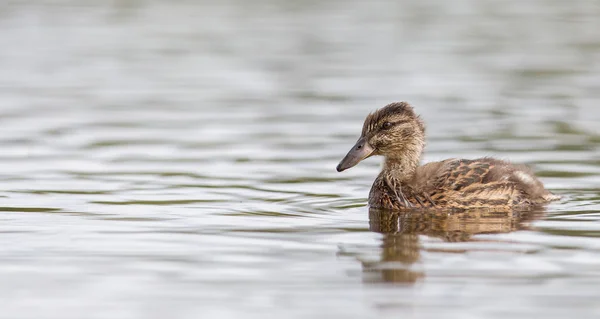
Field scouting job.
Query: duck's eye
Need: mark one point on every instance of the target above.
(386, 125)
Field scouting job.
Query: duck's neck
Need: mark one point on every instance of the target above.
(403, 168)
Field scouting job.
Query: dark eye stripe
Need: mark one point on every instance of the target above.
(393, 124)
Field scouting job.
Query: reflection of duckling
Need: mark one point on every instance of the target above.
(401, 249)
(399, 254)
(460, 226)
(398, 134)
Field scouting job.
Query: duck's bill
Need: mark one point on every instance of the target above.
(361, 150)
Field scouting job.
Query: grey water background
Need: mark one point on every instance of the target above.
(176, 159)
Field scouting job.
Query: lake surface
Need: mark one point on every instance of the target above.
(176, 159)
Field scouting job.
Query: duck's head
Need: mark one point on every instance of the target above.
(394, 131)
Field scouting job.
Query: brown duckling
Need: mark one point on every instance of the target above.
(398, 134)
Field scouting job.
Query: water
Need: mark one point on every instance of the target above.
(177, 158)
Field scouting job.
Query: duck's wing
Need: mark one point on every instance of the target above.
(463, 183)
(452, 174)
(485, 178)
(457, 174)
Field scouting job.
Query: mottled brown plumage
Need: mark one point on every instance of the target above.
(398, 134)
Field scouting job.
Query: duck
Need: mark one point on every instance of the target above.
(397, 133)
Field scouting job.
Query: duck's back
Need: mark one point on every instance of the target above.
(461, 183)
(484, 182)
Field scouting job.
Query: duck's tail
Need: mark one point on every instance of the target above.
(549, 197)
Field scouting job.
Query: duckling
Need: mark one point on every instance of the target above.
(398, 134)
